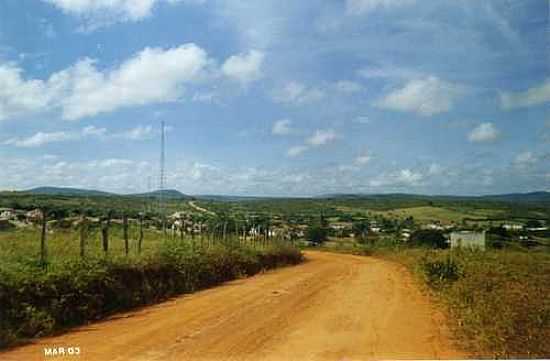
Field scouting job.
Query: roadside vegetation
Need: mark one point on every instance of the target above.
(496, 299)
(70, 290)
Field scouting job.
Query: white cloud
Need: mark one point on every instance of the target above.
(485, 132)
(153, 75)
(427, 97)
(346, 86)
(140, 132)
(536, 95)
(94, 131)
(296, 150)
(282, 127)
(525, 159)
(319, 138)
(298, 93)
(322, 137)
(99, 13)
(401, 178)
(244, 68)
(19, 96)
(363, 158)
(358, 7)
(41, 138)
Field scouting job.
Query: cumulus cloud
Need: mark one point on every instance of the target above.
(244, 68)
(359, 7)
(296, 150)
(534, 96)
(99, 13)
(428, 96)
(322, 137)
(297, 93)
(282, 127)
(19, 96)
(154, 75)
(363, 158)
(483, 133)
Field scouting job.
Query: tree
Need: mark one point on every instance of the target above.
(316, 234)
(361, 230)
(428, 238)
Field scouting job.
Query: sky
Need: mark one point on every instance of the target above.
(276, 98)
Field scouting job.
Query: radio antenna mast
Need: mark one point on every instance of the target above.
(161, 181)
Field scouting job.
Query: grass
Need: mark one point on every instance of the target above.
(498, 298)
(72, 291)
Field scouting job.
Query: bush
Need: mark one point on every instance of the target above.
(441, 272)
(36, 303)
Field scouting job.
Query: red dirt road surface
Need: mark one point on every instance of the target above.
(332, 307)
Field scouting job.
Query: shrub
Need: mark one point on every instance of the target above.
(36, 303)
(440, 272)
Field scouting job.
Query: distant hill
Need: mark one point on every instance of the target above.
(64, 191)
(533, 197)
(76, 192)
(167, 194)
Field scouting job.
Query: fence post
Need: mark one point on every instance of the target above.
(140, 241)
(83, 230)
(43, 251)
(125, 233)
(105, 232)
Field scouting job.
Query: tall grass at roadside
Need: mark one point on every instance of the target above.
(72, 291)
(499, 298)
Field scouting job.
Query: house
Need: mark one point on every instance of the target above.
(7, 213)
(512, 227)
(468, 239)
(34, 216)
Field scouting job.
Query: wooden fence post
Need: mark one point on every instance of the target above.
(105, 224)
(43, 251)
(140, 241)
(125, 233)
(83, 230)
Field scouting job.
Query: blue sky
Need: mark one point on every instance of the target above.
(276, 98)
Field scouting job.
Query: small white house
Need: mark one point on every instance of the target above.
(512, 227)
(468, 239)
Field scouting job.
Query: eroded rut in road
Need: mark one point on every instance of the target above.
(332, 307)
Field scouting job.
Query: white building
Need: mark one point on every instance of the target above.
(512, 227)
(468, 239)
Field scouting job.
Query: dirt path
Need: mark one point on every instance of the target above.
(333, 307)
(200, 209)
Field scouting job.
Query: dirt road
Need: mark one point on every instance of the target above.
(200, 209)
(333, 307)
